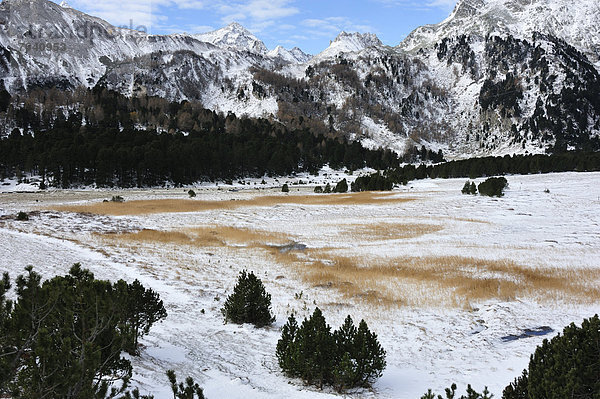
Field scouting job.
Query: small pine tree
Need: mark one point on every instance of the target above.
(319, 190)
(327, 189)
(473, 189)
(493, 187)
(466, 188)
(350, 357)
(249, 303)
(285, 188)
(315, 350)
(341, 187)
(192, 193)
(189, 390)
(370, 359)
(286, 346)
(22, 217)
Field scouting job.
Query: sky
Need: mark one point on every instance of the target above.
(308, 24)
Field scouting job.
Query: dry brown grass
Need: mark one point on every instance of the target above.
(391, 231)
(452, 281)
(182, 206)
(209, 236)
(443, 281)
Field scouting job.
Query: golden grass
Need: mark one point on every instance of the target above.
(443, 281)
(391, 231)
(451, 281)
(148, 207)
(210, 236)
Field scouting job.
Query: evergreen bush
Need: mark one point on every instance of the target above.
(341, 187)
(349, 357)
(319, 190)
(65, 337)
(192, 193)
(568, 366)
(493, 187)
(22, 216)
(285, 188)
(249, 302)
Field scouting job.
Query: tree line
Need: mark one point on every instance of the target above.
(474, 168)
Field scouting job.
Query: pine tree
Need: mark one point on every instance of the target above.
(315, 350)
(370, 360)
(286, 347)
(341, 187)
(345, 373)
(249, 302)
(473, 189)
(189, 390)
(285, 188)
(466, 188)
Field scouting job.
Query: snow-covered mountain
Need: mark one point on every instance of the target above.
(234, 36)
(349, 43)
(577, 23)
(292, 56)
(496, 77)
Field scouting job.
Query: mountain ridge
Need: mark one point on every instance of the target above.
(468, 85)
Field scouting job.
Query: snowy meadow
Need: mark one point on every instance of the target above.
(458, 288)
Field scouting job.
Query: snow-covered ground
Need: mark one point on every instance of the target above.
(429, 345)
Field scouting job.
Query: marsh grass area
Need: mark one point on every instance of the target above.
(376, 279)
(442, 278)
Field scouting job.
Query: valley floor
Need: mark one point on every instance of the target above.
(458, 288)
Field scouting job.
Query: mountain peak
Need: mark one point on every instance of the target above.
(574, 22)
(358, 40)
(350, 43)
(234, 36)
(293, 56)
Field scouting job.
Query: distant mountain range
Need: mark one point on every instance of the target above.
(497, 77)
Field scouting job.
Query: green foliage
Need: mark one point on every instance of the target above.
(469, 188)
(568, 366)
(189, 390)
(318, 190)
(64, 338)
(108, 150)
(191, 193)
(22, 216)
(327, 189)
(341, 187)
(492, 166)
(347, 358)
(285, 188)
(374, 182)
(451, 394)
(493, 187)
(249, 302)
(117, 198)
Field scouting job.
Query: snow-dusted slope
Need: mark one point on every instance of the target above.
(496, 77)
(213, 68)
(576, 22)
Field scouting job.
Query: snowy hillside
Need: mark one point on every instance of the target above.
(574, 22)
(496, 77)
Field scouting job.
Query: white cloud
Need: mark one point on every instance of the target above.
(331, 26)
(443, 4)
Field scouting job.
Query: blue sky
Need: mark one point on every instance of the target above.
(308, 24)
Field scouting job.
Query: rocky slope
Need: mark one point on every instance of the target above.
(496, 77)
